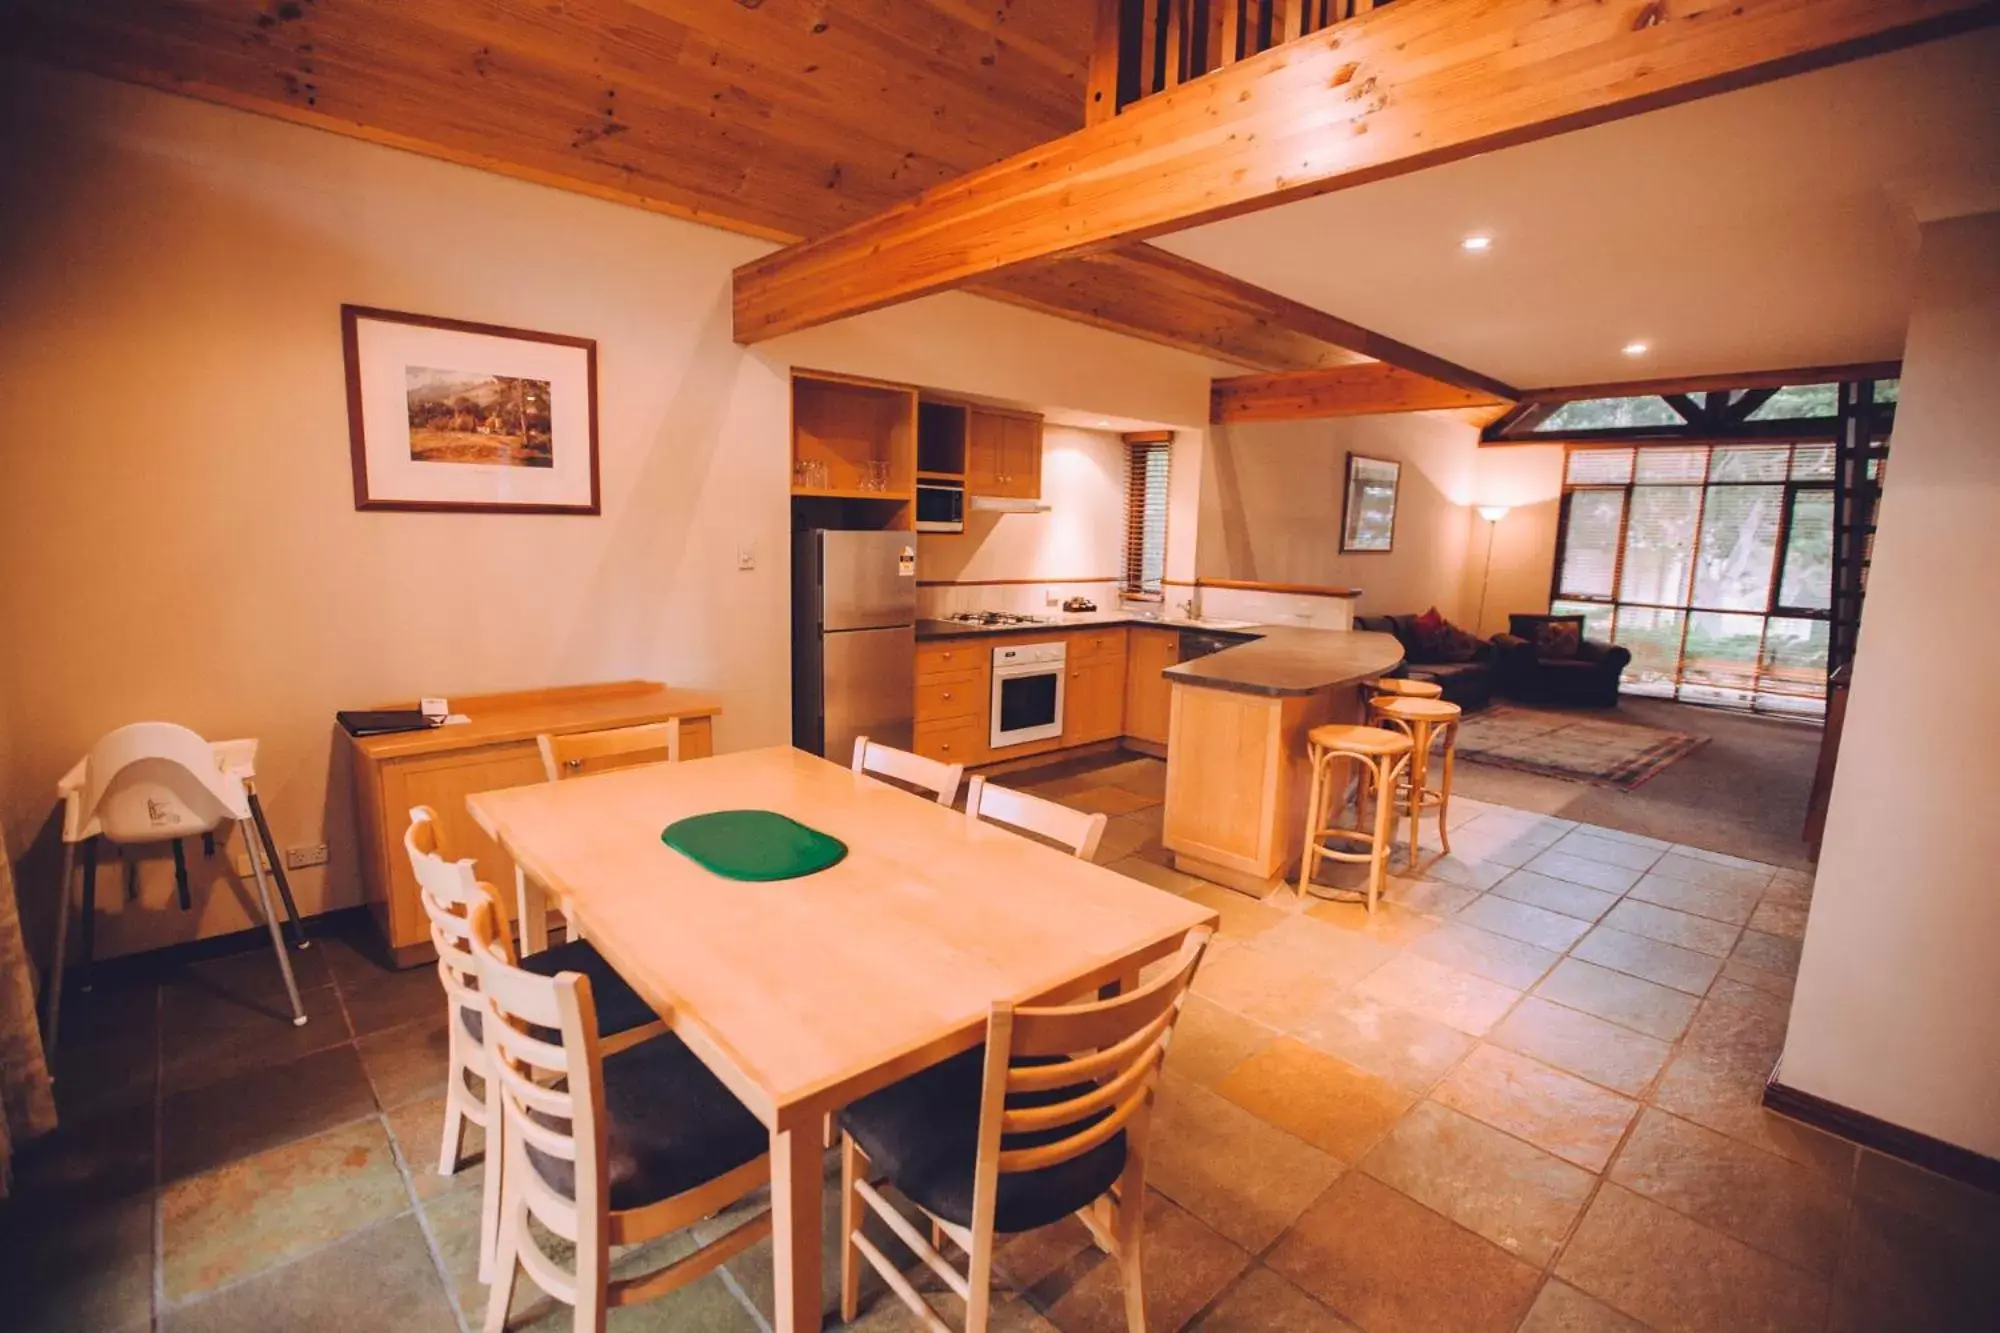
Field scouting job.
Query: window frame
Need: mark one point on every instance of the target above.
(1140, 448)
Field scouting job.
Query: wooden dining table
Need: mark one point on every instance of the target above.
(805, 994)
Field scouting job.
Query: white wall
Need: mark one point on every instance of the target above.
(1528, 480)
(1897, 1012)
(177, 531)
(1271, 503)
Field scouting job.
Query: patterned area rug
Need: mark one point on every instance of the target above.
(1581, 747)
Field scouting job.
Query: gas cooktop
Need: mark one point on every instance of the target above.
(995, 618)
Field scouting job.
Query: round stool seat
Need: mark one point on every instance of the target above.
(1359, 740)
(1409, 689)
(1415, 710)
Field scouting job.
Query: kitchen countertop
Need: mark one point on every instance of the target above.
(1272, 659)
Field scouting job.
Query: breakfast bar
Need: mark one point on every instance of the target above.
(1237, 775)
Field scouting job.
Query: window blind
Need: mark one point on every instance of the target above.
(1145, 561)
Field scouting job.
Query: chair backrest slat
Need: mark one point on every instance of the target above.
(576, 753)
(1074, 829)
(878, 760)
(1095, 1132)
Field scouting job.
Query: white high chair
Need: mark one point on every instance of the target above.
(154, 782)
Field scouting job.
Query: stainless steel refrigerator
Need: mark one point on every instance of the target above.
(854, 639)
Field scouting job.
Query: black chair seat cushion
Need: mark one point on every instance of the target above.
(924, 1134)
(619, 1008)
(670, 1126)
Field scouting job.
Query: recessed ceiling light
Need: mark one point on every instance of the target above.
(1104, 425)
(1477, 241)
(1636, 348)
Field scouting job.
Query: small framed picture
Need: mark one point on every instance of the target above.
(1368, 510)
(447, 415)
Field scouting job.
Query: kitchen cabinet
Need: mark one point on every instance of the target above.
(1094, 694)
(1148, 696)
(954, 686)
(1003, 455)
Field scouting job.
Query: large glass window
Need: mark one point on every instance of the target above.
(1712, 564)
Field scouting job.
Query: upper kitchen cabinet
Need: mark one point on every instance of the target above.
(1003, 455)
(854, 452)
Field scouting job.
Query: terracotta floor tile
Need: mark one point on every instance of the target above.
(1209, 1040)
(1427, 895)
(1772, 953)
(1577, 1121)
(261, 1108)
(1484, 954)
(1465, 869)
(1123, 836)
(1517, 1196)
(407, 1063)
(1327, 1102)
(392, 998)
(1778, 984)
(1961, 1209)
(1583, 870)
(1636, 955)
(1703, 935)
(1440, 993)
(1713, 872)
(886, 1314)
(1242, 916)
(1728, 990)
(1388, 924)
(109, 1071)
(1901, 1270)
(1145, 775)
(1519, 921)
(1627, 1001)
(1603, 1052)
(92, 1272)
(1761, 1199)
(1342, 957)
(1612, 851)
(1275, 989)
(1108, 800)
(1717, 1080)
(1186, 1266)
(86, 1163)
(418, 1128)
(1675, 1274)
(207, 1036)
(1026, 1259)
(1159, 876)
(1556, 895)
(1561, 1308)
(1778, 919)
(1722, 858)
(1245, 1178)
(1360, 1246)
(1620, 835)
(381, 1278)
(1733, 905)
(1263, 1302)
(1403, 1047)
(259, 1211)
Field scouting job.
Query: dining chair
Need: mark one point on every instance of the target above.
(603, 1150)
(574, 753)
(876, 759)
(1074, 829)
(1049, 1118)
(449, 891)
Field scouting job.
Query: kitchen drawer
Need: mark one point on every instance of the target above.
(953, 695)
(952, 656)
(1096, 643)
(954, 741)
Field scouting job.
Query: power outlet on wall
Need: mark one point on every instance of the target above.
(239, 861)
(299, 858)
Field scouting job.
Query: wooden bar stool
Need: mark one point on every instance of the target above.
(1409, 689)
(1382, 756)
(1423, 720)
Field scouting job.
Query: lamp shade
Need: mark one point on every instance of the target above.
(1493, 513)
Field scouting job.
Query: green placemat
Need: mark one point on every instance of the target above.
(753, 845)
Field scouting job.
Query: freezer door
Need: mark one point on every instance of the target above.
(864, 580)
(871, 677)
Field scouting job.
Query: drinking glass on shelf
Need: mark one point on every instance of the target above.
(876, 477)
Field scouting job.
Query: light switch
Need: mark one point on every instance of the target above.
(746, 557)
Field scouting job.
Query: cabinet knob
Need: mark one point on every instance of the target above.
(947, 694)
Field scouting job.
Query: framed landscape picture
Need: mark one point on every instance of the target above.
(1368, 510)
(448, 415)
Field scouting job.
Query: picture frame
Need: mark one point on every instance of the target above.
(1368, 505)
(448, 415)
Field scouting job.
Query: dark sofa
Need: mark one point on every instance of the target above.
(1467, 684)
(1588, 678)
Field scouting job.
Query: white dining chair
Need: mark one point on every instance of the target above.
(930, 775)
(1074, 829)
(155, 782)
(575, 753)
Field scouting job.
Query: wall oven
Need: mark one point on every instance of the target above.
(940, 506)
(1027, 693)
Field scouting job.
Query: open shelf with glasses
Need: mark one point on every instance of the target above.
(853, 439)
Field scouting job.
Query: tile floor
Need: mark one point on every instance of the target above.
(1523, 1096)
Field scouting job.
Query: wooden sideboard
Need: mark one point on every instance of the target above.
(441, 766)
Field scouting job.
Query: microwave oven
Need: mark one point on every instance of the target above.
(940, 506)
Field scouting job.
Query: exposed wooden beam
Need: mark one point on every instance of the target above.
(1106, 59)
(1397, 89)
(1756, 379)
(1344, 391)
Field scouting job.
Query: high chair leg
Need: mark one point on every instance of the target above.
(271, 922)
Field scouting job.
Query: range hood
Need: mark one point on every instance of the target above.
(1001, 504)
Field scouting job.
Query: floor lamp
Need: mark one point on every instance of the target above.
(1492, 514)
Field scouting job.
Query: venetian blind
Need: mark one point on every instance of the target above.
(1145, 561)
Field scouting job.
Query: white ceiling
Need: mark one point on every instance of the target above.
(1760, 229)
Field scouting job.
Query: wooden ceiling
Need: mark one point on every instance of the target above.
(783, 119)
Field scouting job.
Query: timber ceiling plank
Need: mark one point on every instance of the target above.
(1397, 89)
(1340, 391)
